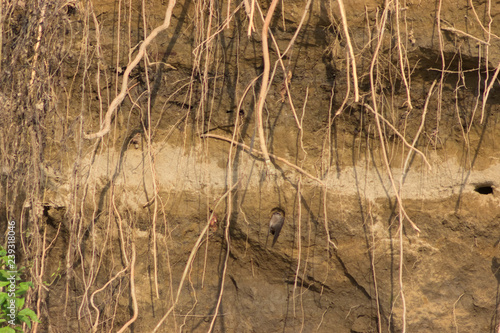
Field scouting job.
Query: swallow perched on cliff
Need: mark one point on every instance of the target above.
(276, 223)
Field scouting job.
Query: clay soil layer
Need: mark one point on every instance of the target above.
(144, 146)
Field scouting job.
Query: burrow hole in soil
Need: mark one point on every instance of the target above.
(484, 189)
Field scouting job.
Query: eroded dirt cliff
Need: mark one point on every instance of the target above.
(386, 167)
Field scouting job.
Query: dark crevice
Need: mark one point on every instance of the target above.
(351, 278)
(311, 284)
(484, 189)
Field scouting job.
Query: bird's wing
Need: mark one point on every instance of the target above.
(277, 230)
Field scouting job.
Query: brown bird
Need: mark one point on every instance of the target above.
(276, 223)
(213, 221)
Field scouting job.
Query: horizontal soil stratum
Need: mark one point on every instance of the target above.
(145, 144)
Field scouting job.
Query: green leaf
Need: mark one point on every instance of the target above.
(28, 284)
(4, 275)
(7, 330)
(19, 303)
(25, 320)
(29, 313)
(3, 297)
(23, 288)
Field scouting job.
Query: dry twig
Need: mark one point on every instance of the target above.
(123, 92)
(351, 50)
(190, 260)
(264, 84)
(247, 148)
(133, 295)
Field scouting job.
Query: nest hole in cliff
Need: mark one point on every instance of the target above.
(484, 188)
